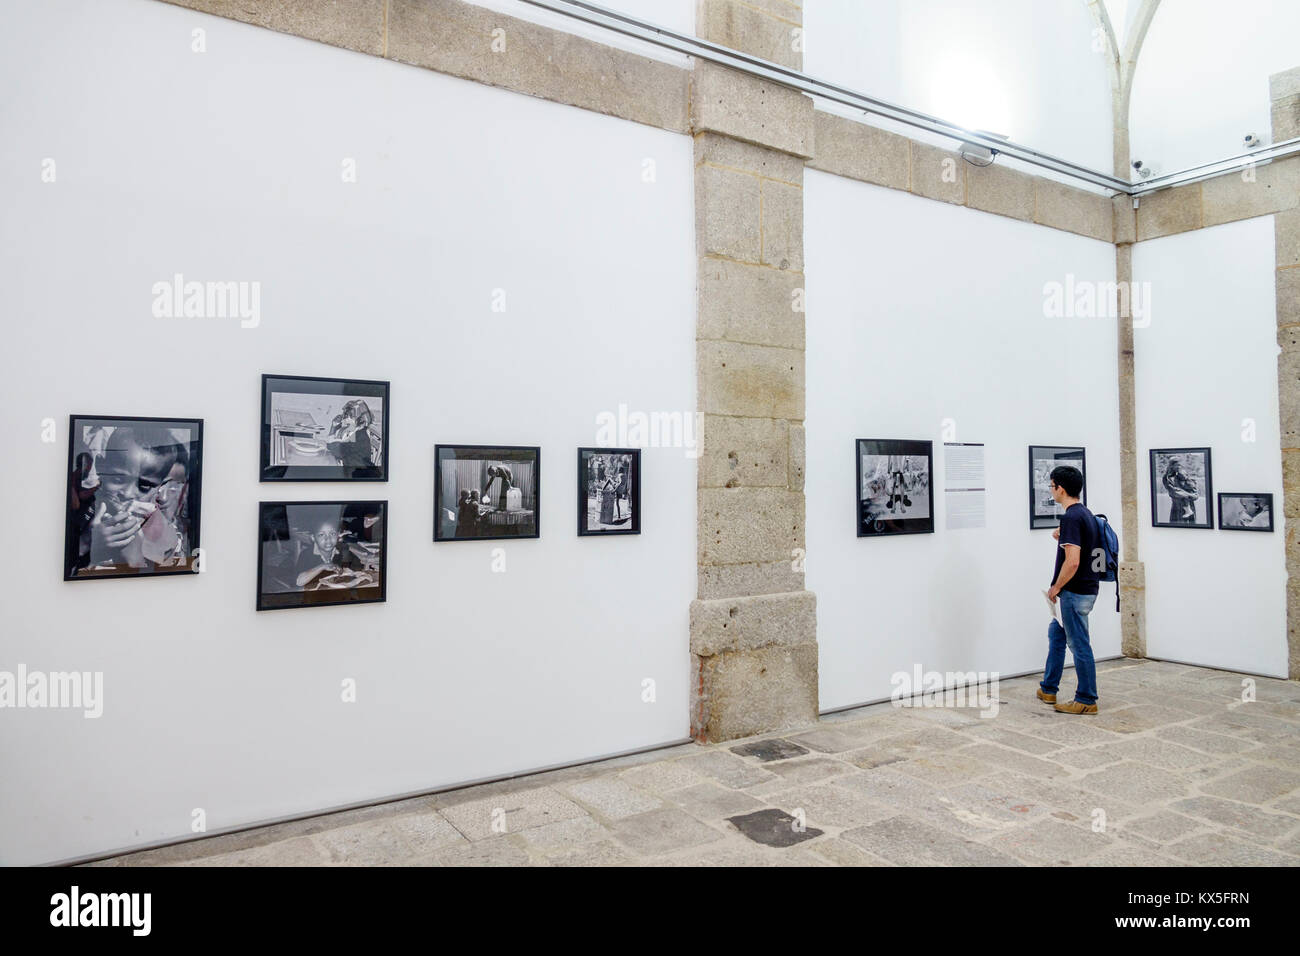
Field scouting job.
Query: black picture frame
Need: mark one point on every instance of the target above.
(284, 439)
(448, 515)
(633, 496)
(84, 507)
(1232, 524)
(1062, 454)
(874, 520)
(1202, 472)
(283, 530)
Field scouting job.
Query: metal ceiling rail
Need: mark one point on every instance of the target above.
(793, 79)
(1194, 174)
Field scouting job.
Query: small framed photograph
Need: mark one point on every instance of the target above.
(1239, 511)
(1044, 512)
(609, 491)
(895, 494)
(324, 429)
(135, 487)
(482, 492)
(1182, 492)
(313, 553)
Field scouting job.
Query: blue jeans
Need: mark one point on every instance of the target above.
(1074, 612)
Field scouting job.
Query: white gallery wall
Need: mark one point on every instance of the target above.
(1202, 78)
(1206, 371)
(227, 165)
(920, 312)
(1024, 68)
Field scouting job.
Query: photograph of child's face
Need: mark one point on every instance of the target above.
(320, 553)
(132, 497)
(327, 538)
(1245, 512)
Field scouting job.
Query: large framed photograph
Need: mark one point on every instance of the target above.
(1240, 511)
(895, 493)
(609, 491)
(1044, 512)
(481, 492)
(133, 499)
(324, 429)
(1182, 492)
(313, 553)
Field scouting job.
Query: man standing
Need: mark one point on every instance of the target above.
(1074, 586)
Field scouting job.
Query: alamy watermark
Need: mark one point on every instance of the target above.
(1090, 299)
(637, 429)
(72, 690)
(178, 299)
(946, 689)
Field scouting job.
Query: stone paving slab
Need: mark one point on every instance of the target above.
(991, 733)
(1227, 850)
(376, 842)
(1161, 827)
(1130, 856)
(909, 842)
(1051, 842)
(564, 836)
(662, 831)
(510, 812)
(610, 797)
(1257, 785)
(826, 805)
(604, 853)
(1205, 741)
(662, 777)
(768, 750)
(728, 769)
(775, 828)
(1176, 770)
(1230, 815)
(804, 770)
(713, 803)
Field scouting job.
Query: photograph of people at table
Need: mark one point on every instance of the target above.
(486, 492)
(321, 553)
(132, 497)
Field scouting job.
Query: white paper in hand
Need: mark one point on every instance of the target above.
(1055, 608)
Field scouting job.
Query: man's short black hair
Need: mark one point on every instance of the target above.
(1069, 478)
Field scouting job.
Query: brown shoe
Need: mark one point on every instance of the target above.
(1046, 697)
(1076, 707)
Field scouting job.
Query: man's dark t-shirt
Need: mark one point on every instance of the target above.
(1078, 527)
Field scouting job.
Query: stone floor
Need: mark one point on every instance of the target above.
(1175, 770)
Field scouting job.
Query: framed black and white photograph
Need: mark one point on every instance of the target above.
(324, 429)
(609, 491)
(1044, 512)
(895, 492)
(481, 492)
(133, 499)
(313, 553)
(1240, 511)
(1182, 492)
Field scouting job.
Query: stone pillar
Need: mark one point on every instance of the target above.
(1132, 572)
(1284, 89)
(754, 626)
